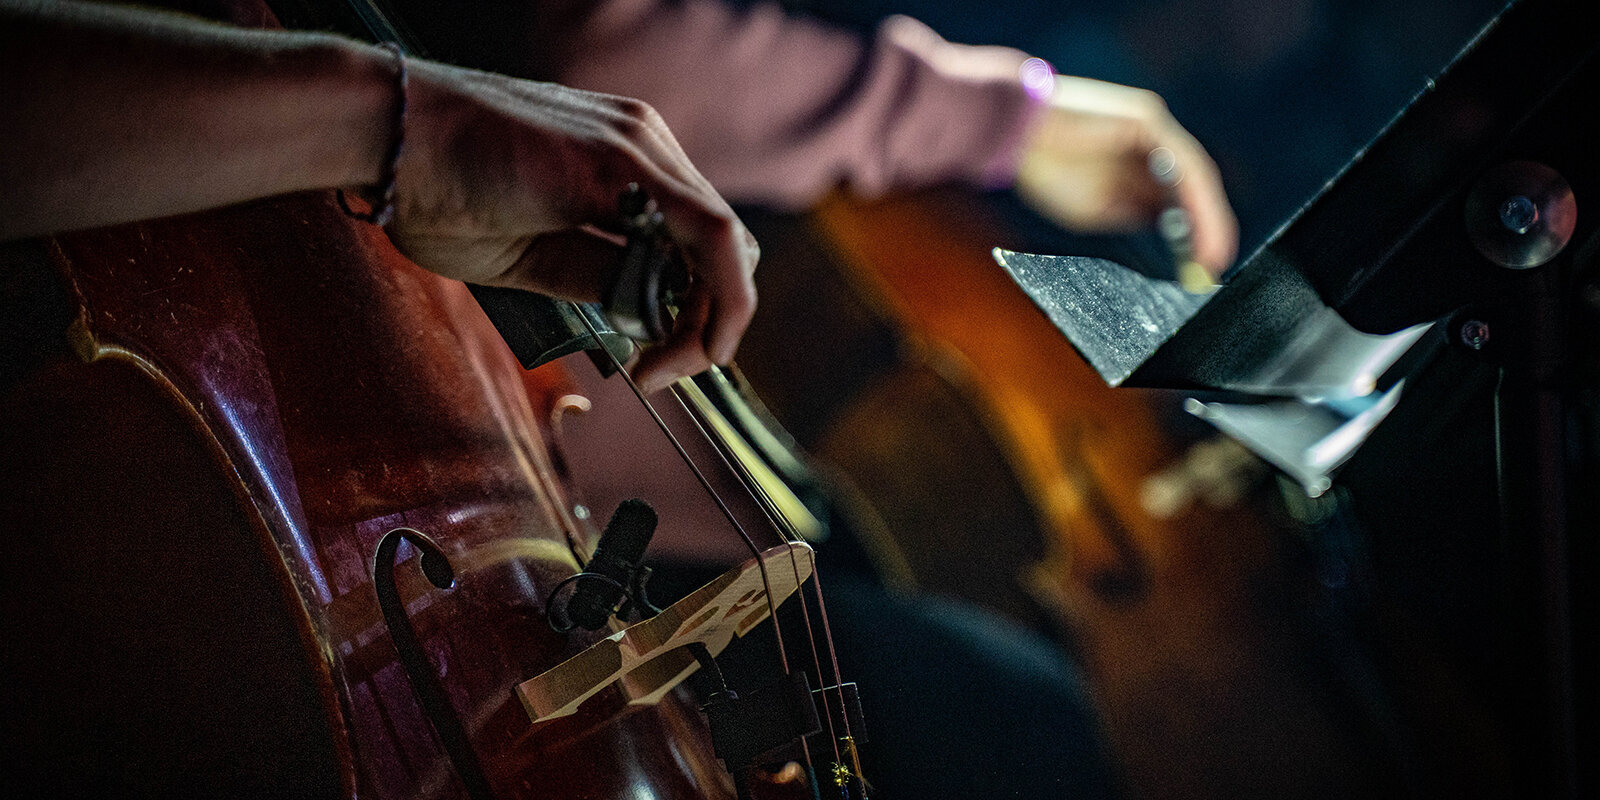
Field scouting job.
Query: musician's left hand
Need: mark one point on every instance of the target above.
(1086, 165)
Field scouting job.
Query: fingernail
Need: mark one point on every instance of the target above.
(1194, 279)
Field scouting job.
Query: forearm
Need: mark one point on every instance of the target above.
(780, 109)
(110, 115)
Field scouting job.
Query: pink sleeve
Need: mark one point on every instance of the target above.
(778, 109)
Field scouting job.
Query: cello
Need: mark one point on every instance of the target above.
(239, 446)
(1005, 471)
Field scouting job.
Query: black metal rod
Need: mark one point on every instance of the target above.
(1530, 424)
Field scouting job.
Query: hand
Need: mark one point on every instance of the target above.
(502, 182)
(514, 183)
(1086, 165)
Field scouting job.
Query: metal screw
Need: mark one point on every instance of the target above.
(1475, 333)
(1519, 214)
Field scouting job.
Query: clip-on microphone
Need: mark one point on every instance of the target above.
(613, 577)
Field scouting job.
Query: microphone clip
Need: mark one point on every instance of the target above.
(613, 582)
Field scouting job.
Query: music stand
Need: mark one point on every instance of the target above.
(1461, 215)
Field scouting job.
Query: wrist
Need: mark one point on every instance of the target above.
(379, 195)
(359, 100)
(1037, 81)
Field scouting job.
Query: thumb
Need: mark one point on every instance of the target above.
(573, 264)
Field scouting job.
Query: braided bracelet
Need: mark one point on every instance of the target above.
(380, 196)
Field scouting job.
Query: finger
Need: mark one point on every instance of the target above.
(682, 354)
(717, 248)
(576, 264)
(721, 254)
(1139, 195)
(720, 343)
(1200, 192)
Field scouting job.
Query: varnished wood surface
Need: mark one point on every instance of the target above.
(332, 392)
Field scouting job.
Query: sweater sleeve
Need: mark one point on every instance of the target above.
(777, 109)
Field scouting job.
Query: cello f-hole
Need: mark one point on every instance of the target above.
(424, 679)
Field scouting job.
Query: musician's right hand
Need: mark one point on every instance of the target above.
(114, 114)
(503, 181)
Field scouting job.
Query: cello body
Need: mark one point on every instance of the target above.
(216, 420)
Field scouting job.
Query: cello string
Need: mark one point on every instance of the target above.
(786, 529)
(833, 652)
(385, 30)
(700, 476)
(705, 483)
